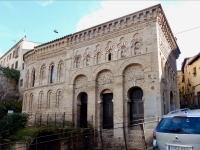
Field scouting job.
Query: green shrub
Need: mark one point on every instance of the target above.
(16, 106)
(12, 123)
(11, 73)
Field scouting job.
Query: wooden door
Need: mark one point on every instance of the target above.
(107, 111)
(136, 106)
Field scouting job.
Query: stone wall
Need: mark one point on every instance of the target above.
(8, 87)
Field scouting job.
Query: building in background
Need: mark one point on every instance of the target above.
(181, 85)
(14, 58)
(190, 86)
(119, 71)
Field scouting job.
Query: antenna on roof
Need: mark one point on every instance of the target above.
(24, 33)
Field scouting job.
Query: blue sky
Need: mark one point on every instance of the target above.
(40, 18)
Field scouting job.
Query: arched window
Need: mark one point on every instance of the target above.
(60, 72)
(58, 99)
(78, 61)
(48, 100)
(123, 51)
(40, 100)
(33, 78)
(109, 57)
(87, 61)
(25, 102)
(42, 74)
(31, 102)
(27, 79)
(52, 74)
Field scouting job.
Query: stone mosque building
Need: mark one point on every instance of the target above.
(118, 71)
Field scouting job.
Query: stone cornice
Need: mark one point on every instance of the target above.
(81, 38)
(162, 21)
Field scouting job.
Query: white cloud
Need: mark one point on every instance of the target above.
(45, 3)
(110, 10)
(181, 15)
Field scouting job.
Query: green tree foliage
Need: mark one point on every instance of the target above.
(11, 73)
(16, 106)
(12, 123)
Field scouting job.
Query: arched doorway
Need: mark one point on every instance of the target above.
(171, 102)
(46, 141)
(107, 111)
(136, 106)
(83, 111)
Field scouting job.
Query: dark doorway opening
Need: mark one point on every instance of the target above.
(46, 141)
(198, 96)
(107, 111)
(136, 106)
(83, 115)
(171, 102)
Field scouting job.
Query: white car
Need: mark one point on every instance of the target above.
(178, 130)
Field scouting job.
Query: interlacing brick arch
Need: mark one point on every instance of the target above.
(98, 53)
(109, 51)
(122, 48)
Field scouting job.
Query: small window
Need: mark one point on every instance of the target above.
(16, 64)
(21, 82)
(109, 57)
(33, 78)
(13, 54)
(12, 66)
(17, 52)
(194, 71)
(10, 56)
(52, 75)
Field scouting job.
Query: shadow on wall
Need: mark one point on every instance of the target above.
(169, 81)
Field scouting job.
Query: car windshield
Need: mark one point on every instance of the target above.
(180, 125)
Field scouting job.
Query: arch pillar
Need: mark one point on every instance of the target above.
(68, 103)
(118, 106)
(92, 103)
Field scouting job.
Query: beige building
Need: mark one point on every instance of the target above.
(118, 71)
(181, 87)
(14, 58)
(191, 81)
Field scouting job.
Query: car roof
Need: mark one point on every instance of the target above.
(183, 112)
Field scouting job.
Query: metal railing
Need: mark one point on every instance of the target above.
(122, 136)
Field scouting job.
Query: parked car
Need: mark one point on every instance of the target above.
(178, 130)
